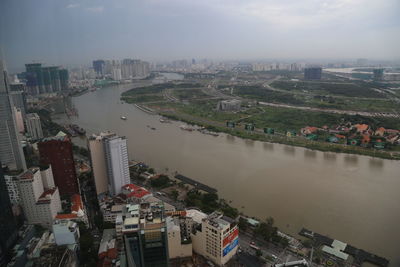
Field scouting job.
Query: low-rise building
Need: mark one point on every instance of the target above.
(66, 232)
(108, 248)
(229, 105)
(77, 212)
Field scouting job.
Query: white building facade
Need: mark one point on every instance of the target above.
(116, 152)
(217, 239)
(33, 126)
(40, 206)
(179, 242)
(98, 160)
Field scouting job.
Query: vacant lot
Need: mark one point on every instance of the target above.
(354, 89)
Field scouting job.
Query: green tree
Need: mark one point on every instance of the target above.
(160, 182)
(175, 194)
(243, 225)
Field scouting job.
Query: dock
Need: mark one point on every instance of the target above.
(196, 184)
(360, 256)
(145, 109)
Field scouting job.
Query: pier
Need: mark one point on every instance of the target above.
(145, 109)
(196, 184)
(360, 256)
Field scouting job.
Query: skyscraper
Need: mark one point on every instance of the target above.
(145, 235)
(57, 151)
(98, 66)
(18, 100)
(378, 74)
(116, 153)
(33, 126)
(98, 160)
(11, 153)
(313, 73)
(64, 78)
(8, 225)
(40, 80)
(34, 78)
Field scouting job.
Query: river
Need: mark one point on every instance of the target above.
(348, 197)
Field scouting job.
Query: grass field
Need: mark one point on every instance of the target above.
(353, 89)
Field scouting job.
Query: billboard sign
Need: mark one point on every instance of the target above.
(230, 237)
(230, 247)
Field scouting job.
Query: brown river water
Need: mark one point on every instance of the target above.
(352, 198)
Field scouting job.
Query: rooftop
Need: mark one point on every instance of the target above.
(219, 221)
(55, 138)
(45, 197)
(28, 174)
(135, 191)
(196, 215)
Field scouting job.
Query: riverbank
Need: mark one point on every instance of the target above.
(331, 193)
(190, 105)
(292, 141)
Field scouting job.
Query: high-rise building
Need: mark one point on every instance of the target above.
(34, 78)
(18, 100)
(145, 235)
(378, 74)
(313, 73)
(179, 240)
(8, 225)
(11, 153)
(19, 120)
(40, 80)
(216, 238)
(116, 153)
(33, 126)
(64, 79)
(18, 86)
(51, 78)
(116, 73)
(98, 66)
(99, 162)
(12, 187)
(40, 204)
(134, 68)
(57, 152)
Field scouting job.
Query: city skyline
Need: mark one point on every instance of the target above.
(70, 32)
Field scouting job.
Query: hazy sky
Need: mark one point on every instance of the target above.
(72, 31)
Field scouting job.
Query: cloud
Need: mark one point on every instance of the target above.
(96, 9)
(72, 5)
(290, 14)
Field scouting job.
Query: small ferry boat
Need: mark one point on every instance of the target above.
(163, 120)
(186, 128)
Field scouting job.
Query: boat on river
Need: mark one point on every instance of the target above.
(123, 118)
(163, 120)
(187, 128)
